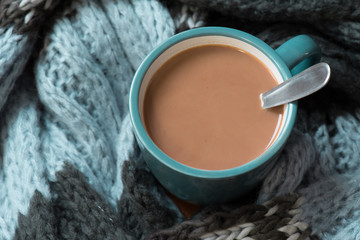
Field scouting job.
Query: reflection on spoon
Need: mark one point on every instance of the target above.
(301, 85)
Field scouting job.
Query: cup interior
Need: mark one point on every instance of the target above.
(203, 41)
(156, 59)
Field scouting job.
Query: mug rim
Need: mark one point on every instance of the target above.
(145, 140)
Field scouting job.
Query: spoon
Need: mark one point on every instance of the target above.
(301, 85)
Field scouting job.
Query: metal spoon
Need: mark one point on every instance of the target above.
(301, 85)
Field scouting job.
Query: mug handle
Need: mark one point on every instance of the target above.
(299, 53)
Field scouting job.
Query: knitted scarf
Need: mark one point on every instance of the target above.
(70, 167)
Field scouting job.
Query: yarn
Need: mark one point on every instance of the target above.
(70, 167)
(25, 15)
(77, 212)
(22, 167)
(84, 84)
(276, 219)
(13, 51)
(260, 10)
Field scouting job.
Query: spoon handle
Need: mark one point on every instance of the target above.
(299, 86)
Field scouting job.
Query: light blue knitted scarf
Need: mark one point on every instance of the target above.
(69, 164)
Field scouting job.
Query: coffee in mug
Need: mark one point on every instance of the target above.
(202, 107)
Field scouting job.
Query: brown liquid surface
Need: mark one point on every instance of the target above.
(202, 108)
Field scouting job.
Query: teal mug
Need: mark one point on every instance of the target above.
(214, 186)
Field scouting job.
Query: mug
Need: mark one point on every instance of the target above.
(215, 186)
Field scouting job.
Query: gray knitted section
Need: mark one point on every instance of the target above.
(40, 214)
(144, 207)
(275, 220)
(267, 10)
(75, 212)
(26, 15)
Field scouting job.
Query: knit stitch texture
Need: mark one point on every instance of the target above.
(70, 167)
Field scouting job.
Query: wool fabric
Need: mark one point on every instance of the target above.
(70, 167)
